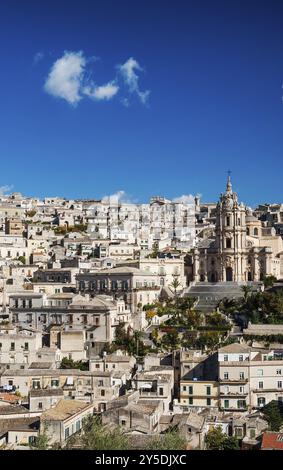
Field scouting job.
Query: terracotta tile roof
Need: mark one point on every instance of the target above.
(9, 397)
(272, 440)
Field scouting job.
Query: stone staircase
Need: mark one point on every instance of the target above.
(209, 294)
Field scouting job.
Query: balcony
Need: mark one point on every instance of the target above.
(233, 394)
(233, 381)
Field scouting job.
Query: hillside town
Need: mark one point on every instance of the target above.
(160, 324)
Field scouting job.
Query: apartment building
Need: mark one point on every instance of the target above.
(95, 387)
(234, 369)
(19, 345)
(64, 419)
(134, 286)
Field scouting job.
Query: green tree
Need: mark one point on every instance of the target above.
(246, 291)
(67, 363)
(41, 441)
(96, 436)
(175, 284)
(171, 440)
(170, 340)
(273, 414)
(268, 281)
(231, 443)
(214, 439)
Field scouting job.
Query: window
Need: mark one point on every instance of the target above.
(228, 221)
(26, 347)
(208, 401)
(226, 375)
(239, 432)
(226, 403)
(100, 383)
(102, 393)
(226, 357)
(191, 401)
(252, 433)
(190, 389)
(54, 383)
(242, 389)
(241, 358)
(228, 243)
(278, 372)
(40, 405)
(242, 375)
(123, 422)
(208, 390)
(35, 383)
(279, 384)
(160, 390)
(12, 347)
(259, 372)
(67, 433)
(78, 425)
(261, 401)
(241, 404)
(184, 388)
(260, 384)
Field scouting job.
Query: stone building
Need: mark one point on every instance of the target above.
(241, 250)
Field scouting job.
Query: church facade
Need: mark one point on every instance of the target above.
(241, 250)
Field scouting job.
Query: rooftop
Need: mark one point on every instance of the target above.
(272, 440)
(64, 410)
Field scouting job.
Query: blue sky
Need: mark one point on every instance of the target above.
(205, 97)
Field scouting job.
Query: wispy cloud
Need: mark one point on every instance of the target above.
(128, 71)
(4, 190)
(185, 199)
(38, 57)
(119, 197)
(103, 92)
(70, 78)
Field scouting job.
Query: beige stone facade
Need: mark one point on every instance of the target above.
(241, 250)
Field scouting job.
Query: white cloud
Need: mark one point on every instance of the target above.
(103, 92)
(185, 199)
(119, 197)
(128, 71)
(114, 198)
(5, 189)
(70, 79)
(66, 76)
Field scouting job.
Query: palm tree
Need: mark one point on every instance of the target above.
(246, 290)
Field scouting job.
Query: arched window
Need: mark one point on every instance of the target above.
(256, 232)
(228, 243)
(248, 231)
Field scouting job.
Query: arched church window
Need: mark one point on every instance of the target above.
(228, 243)
(256, 231)
(239, 221)
(228, 221)
(248, 231)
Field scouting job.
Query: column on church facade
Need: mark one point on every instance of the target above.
(256, 265)
(196, 265)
